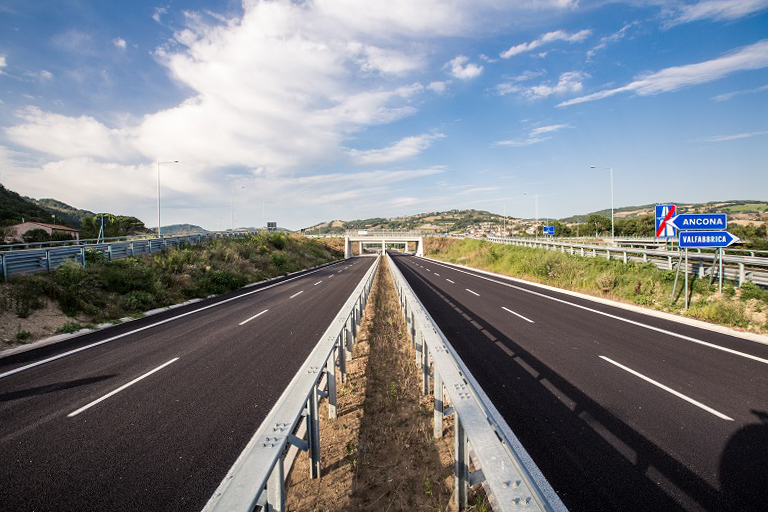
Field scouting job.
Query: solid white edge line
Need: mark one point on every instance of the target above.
(112, 393)
(113, 338)
(669, 390)
(650, 327)
(254, 316)
(518, 314)
(473, 293)
(296, 294)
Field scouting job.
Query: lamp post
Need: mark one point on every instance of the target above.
(611, 170)
(158, 193)
(232, 205)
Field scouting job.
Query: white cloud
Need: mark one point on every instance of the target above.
(69, 137)
(119, 42)
(438, 87)
(571, 81)
(401, 150)
(158, 13)
(726, 138)
(42, 75)
(3, 63)
(612, 38)
(511, 85)
(461, 68)
(534, 137)
(718, 10)
(729, 95)
(549, 37)
(750, 57)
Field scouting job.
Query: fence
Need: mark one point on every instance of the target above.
(36, 260)
(738, 268)
(513, 480)
(258, 476)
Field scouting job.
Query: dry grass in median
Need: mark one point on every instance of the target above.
(379, 454)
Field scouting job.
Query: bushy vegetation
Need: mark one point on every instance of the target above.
(640, 283)
(107, 290)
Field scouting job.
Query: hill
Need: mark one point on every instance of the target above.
(181, 229)
(65, 214)
(14, 208)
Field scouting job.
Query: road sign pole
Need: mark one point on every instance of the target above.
(686, 278)
(720, 274)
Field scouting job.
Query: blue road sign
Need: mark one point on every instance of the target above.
(707, 239)
(699, 221)
(664, 212)
(549, 230)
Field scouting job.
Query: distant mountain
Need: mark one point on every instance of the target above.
(180, 229)
(739, 212)
(65, 214)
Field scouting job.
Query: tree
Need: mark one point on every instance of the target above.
(36, 235)
(599, 223)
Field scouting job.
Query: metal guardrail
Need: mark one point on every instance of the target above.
(258, 476)
(513, 480)
(739, 269)
(37, 260)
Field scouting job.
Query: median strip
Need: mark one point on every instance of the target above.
(121, 388)
(669, 390)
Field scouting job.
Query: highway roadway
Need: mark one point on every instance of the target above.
(620, 410)
(150, 415)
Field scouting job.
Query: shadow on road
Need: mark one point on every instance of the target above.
(744, 466)
(51, 388)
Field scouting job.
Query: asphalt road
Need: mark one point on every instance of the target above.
(620, 410)
(153, 418)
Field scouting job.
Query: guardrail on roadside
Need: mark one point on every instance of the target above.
(743, 268)
(37, 260)
(512, 479)
(258, 476)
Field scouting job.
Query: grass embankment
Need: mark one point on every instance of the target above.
(106, 291)
(380, 454)
(643, 284)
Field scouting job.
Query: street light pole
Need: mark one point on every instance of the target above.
(232, 205)
(158, 193)
(612, 203)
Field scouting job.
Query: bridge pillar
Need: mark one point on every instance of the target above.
(348, 247)
(383, 246)
(420, 247)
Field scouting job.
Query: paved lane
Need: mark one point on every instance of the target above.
(615, 407)
(154, 419)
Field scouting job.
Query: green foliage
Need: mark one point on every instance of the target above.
(36, 235)
(106, 290)
(23, 335)
(70, 327)
(724, 312)
(752, 291)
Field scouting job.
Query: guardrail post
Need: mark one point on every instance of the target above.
(424, 367)
(645, 257)
(342, 352)
(594, 253)
(48, 260)
(330, 373)
(608, 254)
(437, 423)
(82, 255)
(417, 345)
(461, 465)
(276, 489)
(313, 434)
(669, 263)
(742, 274)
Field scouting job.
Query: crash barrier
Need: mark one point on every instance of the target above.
(511, 479)
(738, 267)
(257, 479)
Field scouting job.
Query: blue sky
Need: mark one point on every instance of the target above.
(308, 111)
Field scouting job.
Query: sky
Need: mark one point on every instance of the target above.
(305, 111)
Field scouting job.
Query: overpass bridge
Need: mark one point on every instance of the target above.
(382, 239)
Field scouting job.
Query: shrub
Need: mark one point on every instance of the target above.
(606, 281)
(277, 240)
(752, 291)
(280, 261)
(70, 327)
(137, 301)
(725, 312)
